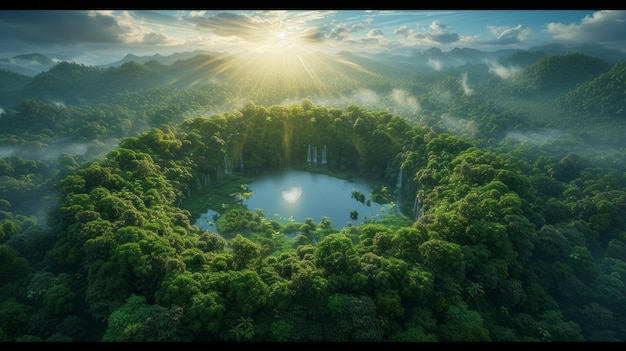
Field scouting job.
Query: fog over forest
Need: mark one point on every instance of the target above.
(497, 209)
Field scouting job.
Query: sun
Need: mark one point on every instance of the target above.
(281, 41)
(278, 41)
(284, 59)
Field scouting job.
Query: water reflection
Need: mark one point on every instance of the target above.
(288, 196)
(207, 221)
(292, 195)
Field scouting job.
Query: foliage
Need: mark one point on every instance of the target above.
(516, 236)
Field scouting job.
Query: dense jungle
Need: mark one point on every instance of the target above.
(510, 223)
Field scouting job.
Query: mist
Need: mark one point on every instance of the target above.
(500, 70)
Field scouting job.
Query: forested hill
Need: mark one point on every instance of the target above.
(509, 224)
(73, 83)
(556, 73)
(604, 94)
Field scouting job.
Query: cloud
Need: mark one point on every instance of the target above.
(437, 65)
(403, 31)
(23, 62)
(358, 26)
(365, 96)
(500, 70)
(605, 27)
(241, 25)
(340, 32)
(311, 34)
(440, 33)
(459, 125)
(436, 34)
(375, 33)
(63, 27)
(41, 26)
(466, 89)
(403, 98)
(444, 38)
(154, 38)
(200, 13)
(506, 35)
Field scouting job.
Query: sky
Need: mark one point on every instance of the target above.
(95, 37)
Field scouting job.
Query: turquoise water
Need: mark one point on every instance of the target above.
(295, 195)
(292, 195)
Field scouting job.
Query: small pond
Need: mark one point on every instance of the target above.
(293, 195)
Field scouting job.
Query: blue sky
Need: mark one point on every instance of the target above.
(100, 37)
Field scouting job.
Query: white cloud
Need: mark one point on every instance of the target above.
(405, 99)
(437, 65)
(506, 35)
(466, 88)
(605, 27)
(500, 70)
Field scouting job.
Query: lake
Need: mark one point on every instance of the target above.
(293, 195)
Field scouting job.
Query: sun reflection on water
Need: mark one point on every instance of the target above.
(292, 195)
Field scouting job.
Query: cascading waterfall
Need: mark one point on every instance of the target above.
(399, 183)
(417, 211)
(308, 155)
(311, 156)
(198, 185)
(227, 169)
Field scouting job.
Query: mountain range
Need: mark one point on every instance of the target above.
(432, 58)
(27, 64)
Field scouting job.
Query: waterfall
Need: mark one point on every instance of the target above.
(417, 211)
(198, 185)
(399, 183)
(315, 154)
(227, 169)
(219, 172)
(241, 162)
(324, 160)
(308, 156)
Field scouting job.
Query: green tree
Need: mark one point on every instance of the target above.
(126, 322)
(245, 252)
(335, 254)
(462, 324)
(443, 258)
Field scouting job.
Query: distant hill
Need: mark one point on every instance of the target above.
(28, 64)
(63, 80)
(380, 64)
(164, 60)
(594, 50)
(11, 84)
(545, 75)
(12, 81)
(74, 83)
(564, 71)
(555, 74)
(604, 94)
(522, 58)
